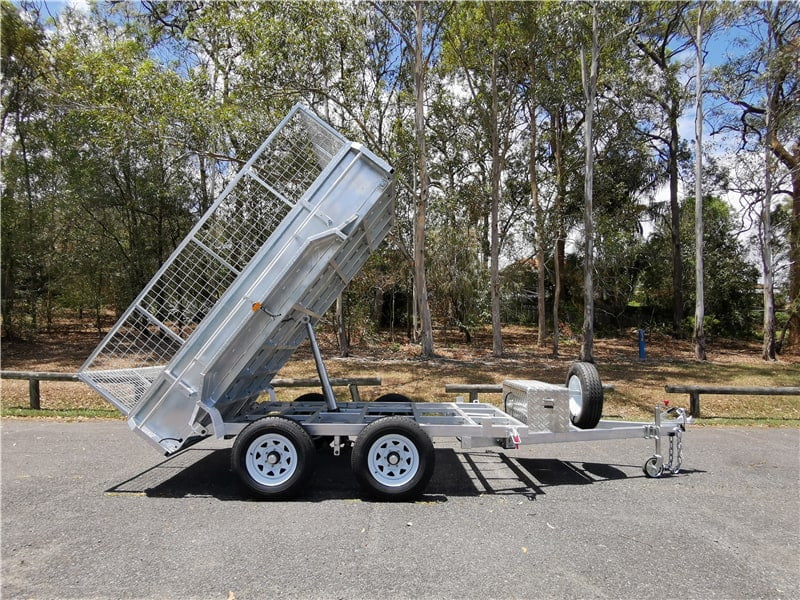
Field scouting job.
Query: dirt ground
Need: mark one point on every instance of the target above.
(639, 384)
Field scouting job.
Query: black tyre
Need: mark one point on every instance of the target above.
(393, 459)
(310, 397)
(393, 397)
(274, 457)
(585, 395)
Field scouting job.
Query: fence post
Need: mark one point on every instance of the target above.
(694, 404)
(355, 396)
(33, 393)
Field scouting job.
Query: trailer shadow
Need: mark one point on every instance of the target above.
(204, 473)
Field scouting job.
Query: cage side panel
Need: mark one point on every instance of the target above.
(165, 414)
(318, 295)
(123, 387)
(243, 223)
(176, 303)
(275, 256)
(131, 358)
(299, 154)
(240, 360)
(188, 290)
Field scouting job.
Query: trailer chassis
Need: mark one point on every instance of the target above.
(409, 427)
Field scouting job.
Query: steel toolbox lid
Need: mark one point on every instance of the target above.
(524, 386)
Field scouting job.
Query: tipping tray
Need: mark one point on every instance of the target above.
(225, 312)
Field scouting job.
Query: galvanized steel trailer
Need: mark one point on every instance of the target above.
(195, 352)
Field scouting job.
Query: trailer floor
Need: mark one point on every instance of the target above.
(89, 512)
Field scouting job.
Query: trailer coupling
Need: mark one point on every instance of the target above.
(655, 465)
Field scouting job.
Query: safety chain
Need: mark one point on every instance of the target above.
(675, 438)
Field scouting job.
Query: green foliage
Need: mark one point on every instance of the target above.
(121, 125)
(460, 294)
(731, 280)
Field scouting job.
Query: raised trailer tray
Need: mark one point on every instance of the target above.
(228, 308)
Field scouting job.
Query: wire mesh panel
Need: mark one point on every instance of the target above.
(228, 308)
(195, 278)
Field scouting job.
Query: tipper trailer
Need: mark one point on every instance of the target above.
(195, 353)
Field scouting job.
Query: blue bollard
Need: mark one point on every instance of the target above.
(642, 352)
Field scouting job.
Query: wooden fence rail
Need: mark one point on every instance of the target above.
(33, 382)
(473, 389)
(34, 395)
(694, 392)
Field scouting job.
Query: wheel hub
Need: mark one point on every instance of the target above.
(271, 459)
(393, 460)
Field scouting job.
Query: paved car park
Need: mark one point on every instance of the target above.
(89, 510)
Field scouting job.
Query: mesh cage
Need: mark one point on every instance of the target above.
(224, 241)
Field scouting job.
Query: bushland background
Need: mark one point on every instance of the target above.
(547, 178)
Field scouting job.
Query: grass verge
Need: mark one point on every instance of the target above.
(64, 414)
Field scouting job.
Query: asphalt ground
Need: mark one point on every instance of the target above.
(91, 511)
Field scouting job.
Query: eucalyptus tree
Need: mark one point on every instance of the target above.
(761, 84)
(620, 171)
(661, 39)
(531, 24)
(765, 213)
(24, 70)
(421, 41)
(560, 98)
(481, 43)
(698, 335)
(592, 35)
(589, 84)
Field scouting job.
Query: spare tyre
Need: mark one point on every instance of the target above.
(585, 395)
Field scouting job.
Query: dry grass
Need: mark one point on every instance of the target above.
(639, 385)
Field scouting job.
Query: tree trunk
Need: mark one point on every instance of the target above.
(794, 253)
(699, 336)
(675, 220)
(341, 327)
(589, 80)
(497, 333)
(768, 350)
(538, 217)
(422, 191)
(558, 270)
(558, 244)
(791, 159)
(31, 258)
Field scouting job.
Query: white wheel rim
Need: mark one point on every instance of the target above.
(271, 459)
(575, 396)
(393, 460)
